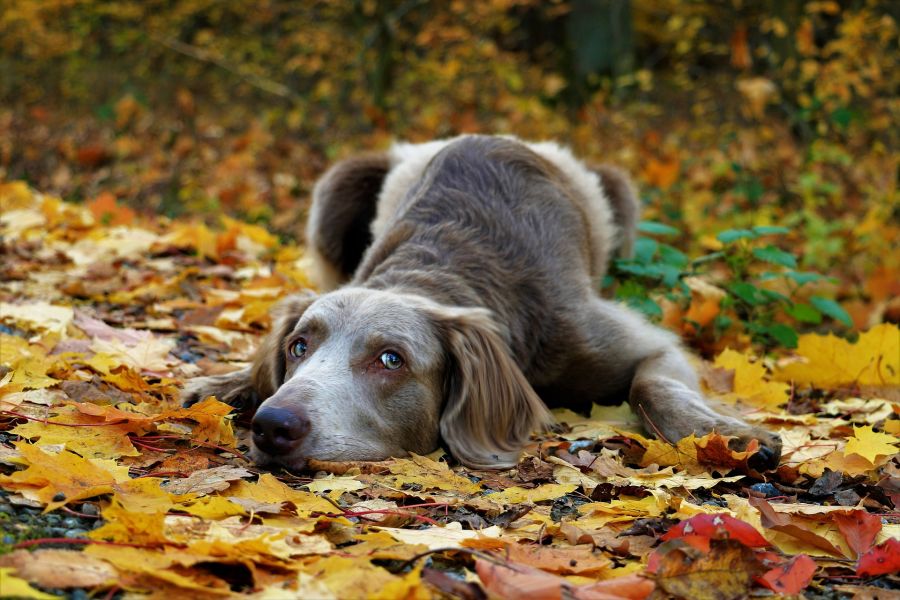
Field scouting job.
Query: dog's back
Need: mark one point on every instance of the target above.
(490, 222)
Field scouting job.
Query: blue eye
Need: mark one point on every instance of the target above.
(298, 348)
(391, 360)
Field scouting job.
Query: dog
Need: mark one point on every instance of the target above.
(464, 277)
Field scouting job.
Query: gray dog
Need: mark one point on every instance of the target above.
(470, 270)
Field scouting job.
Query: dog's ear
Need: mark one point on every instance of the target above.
(623, 200)
(490, 408)
(269, 366)
(344, 203)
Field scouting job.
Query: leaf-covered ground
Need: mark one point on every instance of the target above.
(107, 486)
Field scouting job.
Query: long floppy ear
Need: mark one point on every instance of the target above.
(490, 408)
(245, 389)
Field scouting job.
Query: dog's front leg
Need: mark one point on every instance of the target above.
(664, 390)
(666, 397)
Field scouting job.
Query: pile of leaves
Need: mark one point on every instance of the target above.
(104, 315)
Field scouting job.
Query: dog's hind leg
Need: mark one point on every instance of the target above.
(664, 392)
(344, 203)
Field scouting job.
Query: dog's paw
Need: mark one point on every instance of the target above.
(234, 389)
(769, 453)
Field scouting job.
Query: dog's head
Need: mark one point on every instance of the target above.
(363, 374)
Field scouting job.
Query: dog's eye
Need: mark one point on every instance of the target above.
(298, 348)
(391, 360)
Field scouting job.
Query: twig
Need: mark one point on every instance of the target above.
(263, 83)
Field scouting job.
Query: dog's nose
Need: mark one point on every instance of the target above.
(279, 430)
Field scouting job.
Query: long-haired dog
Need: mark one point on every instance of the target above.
(465, 278)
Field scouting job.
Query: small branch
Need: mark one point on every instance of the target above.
(262, 83)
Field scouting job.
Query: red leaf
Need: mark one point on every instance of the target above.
(718, 527)
(880, 560)
(791, 577)
(859, 528)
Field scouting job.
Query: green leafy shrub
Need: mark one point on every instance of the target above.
(765, 295)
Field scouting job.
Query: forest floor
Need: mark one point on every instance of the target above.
(143, 242)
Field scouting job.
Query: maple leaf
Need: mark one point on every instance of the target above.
(209, 415)
(56, 479)
(269, 490)
(751, 382)
(517, 495)
(122, 525)
(427, 473)
(78, 433)
(870, 444)
(829, 361)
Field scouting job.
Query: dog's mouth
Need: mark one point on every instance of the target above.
(291, 462)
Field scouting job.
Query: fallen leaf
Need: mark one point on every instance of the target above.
(880, 560)
(56, 479)
(207, 480)
(871, 444)
(829, 361)
(723, 572)
(859, 528)
(792, 577)
(15, 587)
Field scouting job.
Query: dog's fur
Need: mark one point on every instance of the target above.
(477, 260)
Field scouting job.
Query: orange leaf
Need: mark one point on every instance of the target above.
(56, 479)
(515, 581)
(106, 210)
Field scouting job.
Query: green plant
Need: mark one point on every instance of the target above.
(748, 269)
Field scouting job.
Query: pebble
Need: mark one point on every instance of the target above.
(766, 488)
(98, 524)
(89, 508)
(70, 522)
(75, 533)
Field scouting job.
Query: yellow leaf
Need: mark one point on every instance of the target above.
(65, 475)
(516, 495)
(829, 361)
(13, 587)
(408, 587)
(683, 454)
(212, 426)
(103, 441)
(212, 507)
(750, 382)
(38, 316)
(271, 491)
(427, 473)
(871, 444)
(122, 525)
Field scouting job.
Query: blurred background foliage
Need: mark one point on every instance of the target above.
(730, 114)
